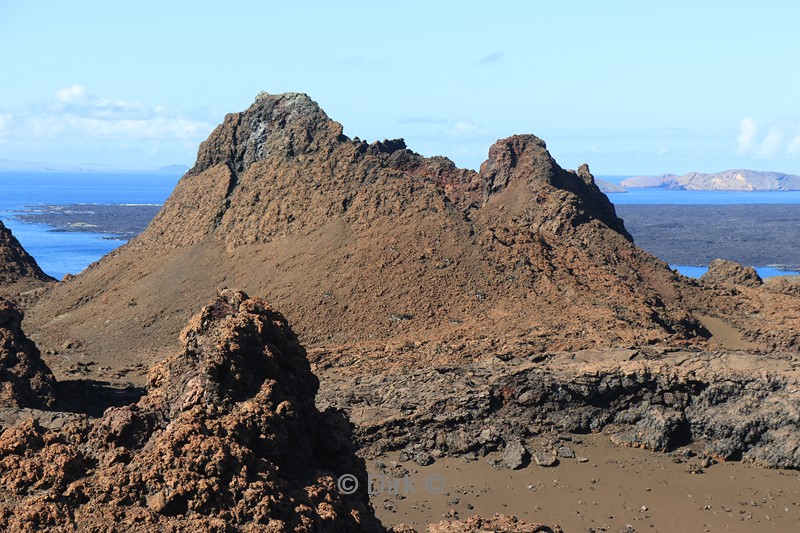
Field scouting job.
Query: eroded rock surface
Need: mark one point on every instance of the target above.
(227, 438)
(783, 285)
(336, 230)
(736, 405)
(25, 381)
(722, 271)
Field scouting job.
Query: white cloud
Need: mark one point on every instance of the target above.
(771, 144)
(155, 128)
(748, 129)
(794, 145)
(5, 120)
(74, 111)
(77, 100)
(464, 128)
(781, 139)
(5, 124)
(72, 94)
(75, 126)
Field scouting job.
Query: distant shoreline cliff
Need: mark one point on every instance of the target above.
(607, 186)
(727, 180)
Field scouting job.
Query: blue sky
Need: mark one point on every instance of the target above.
(628, 87)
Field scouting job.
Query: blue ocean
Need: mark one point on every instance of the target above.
(666, 196)
(59, 253)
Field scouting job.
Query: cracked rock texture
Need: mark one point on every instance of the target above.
(783, 285)
(227, 438)
(737, 405)
(449, 312)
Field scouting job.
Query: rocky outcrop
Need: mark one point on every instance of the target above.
(783, 285)
(722, 271)
(16, 265)
(25, 381)
(227, 438)
(731, 405)
(335, 230)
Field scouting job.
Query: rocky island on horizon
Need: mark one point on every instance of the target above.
(727, 180)
(10, 165)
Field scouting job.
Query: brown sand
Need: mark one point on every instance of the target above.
(725, 335)
(617, 487)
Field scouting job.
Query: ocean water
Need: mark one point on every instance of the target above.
(652, 195)
(59, 253)
(764, 272)
(664, 196)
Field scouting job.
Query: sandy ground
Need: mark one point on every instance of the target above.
(605, 488)
(725, 335)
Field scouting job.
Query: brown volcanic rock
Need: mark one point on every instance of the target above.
(722, 271)
(226, 439)
(282, 167)
(734, 404)
(783, 285)
(765, 313)
(25, 381)
(18, 270)
(373, 242)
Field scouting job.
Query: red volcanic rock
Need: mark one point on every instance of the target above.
(25, 381)
(227, 438)
(730, 272)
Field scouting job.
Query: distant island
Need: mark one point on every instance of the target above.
(727, 180)
(607, 186)
(11, 165)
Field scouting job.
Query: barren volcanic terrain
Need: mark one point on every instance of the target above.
(452, 315)
(371, 243)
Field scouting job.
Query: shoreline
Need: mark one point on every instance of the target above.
(120, 221)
